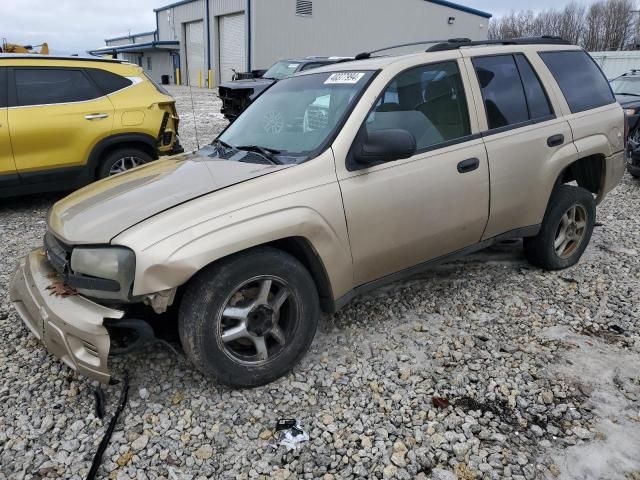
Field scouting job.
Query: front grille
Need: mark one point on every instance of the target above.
(234, 101)
(58, 253)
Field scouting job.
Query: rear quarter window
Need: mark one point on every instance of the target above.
(108, 82)
(583, 84)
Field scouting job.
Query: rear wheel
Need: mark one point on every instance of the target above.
(121, 160)
(248, 319)
(566, 229)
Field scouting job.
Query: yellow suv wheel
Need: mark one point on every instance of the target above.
(121, 160)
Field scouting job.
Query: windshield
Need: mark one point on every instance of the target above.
(280, 70)
(629, 86)
(295, 117)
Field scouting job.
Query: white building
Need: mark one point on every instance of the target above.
(201, 42)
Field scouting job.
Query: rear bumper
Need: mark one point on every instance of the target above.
(71, 328)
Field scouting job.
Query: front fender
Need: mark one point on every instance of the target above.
(172, 262)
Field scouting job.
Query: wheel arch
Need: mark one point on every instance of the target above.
(302, 250)
(142, 141)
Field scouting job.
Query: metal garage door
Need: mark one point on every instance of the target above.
(232, 45)
(194, 36)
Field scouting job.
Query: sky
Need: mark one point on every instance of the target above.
(74, 26)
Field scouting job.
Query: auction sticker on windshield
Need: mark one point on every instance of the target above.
(344, 77)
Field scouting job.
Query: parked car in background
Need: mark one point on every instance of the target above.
(67, 121)
(238, 95)
(627, 90)
(420, 158)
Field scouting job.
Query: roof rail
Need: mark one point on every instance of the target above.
(456, 43)
(366, 55)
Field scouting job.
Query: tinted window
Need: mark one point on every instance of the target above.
(3, 87)
(581, 80)
(108, 82)
(502, 90)
(537, 99)
(43, 86)
(428, 101)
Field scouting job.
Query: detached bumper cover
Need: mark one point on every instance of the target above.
(71, 328)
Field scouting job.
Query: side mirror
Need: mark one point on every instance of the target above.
(385, 146)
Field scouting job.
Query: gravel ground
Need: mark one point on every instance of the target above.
(535, 374)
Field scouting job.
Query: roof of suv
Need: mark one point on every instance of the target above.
(380, 62)
(18, 56)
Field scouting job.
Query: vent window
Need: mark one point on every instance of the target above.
(304, 8)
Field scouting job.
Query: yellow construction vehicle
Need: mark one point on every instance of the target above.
(7, 47)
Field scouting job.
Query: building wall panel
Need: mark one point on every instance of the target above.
(347, 27)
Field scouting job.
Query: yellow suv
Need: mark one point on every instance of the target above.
(65, 121)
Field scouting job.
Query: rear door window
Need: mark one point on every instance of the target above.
(537, 99)
(46, 86)
(502, 91)
(583, 84)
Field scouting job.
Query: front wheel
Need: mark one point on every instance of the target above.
(566, 229)
(248, 319)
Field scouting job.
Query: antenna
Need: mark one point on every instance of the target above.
(193, 111)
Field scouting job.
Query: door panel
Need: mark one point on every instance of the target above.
(520, 121)
(523, 171)
(408, 212)
(7, 166)
(61, 132)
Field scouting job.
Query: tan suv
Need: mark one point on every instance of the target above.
(333, 182)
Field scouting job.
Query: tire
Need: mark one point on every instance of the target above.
(130, 158)
(542, 250)
(236, 285)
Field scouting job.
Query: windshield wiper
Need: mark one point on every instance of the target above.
(629, 94)
(268, 153)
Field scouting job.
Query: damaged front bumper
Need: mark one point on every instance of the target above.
(71, 328)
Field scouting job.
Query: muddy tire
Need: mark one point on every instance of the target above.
(249, 318)
(566, 229)
(121, 160)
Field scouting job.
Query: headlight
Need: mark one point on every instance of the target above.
(629, 112)
(105, 272)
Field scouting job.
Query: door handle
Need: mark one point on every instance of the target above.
(96, 116)
(555, 140)
(468, 165)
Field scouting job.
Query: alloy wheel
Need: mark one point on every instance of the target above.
(125, 163)
(571, 231)
(256, 320)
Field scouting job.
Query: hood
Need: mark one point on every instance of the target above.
(98, 212)
(254, 83)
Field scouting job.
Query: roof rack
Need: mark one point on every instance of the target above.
(456, 43)
(29, 56)
(366, 55)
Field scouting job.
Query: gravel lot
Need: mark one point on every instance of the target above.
(540, 373)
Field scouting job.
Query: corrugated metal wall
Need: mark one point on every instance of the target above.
(614, 64)
(347, 27)
(171, 26)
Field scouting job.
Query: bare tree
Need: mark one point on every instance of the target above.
(604, 25)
